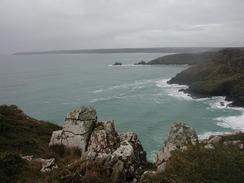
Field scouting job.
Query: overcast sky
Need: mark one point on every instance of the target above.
(30, 25)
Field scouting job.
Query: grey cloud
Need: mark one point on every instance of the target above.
(72, 24)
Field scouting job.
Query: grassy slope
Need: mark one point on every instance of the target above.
(22, 134)
(183, 58)
(200, 165)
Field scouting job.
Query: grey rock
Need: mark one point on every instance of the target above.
(125, 150)
(103, 139)
(209, 146)
(179, 138)
(47, 164)
(77, 128)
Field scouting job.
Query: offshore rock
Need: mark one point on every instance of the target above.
(77, 128)
(179, 138)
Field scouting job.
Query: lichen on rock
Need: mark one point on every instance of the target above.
(179, 138)
(77, 128)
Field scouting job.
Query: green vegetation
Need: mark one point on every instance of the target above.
(200, 165)
(22, 134)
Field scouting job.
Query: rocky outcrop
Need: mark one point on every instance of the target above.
(100, 142)
(180, 137)
(77, 128)
(234, 139)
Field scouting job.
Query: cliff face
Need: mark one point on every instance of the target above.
(223, 76)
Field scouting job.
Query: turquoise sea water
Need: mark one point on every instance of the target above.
(137, 98)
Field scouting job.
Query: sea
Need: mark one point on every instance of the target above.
(136, 97)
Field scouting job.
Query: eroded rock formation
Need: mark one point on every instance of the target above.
(122, 153)
(77, 128)
(180, 137)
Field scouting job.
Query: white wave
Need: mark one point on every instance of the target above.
(134, 85)
(234, 122)
(173, 89)
(106, 98)
(219, 103)
(163, 83)
(97, 91)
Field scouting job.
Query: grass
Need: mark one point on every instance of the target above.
(200, 165)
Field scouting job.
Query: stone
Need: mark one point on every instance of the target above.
(180, 137)
(125, 150)
(209, 146)
(47, 164)
(27, 157)
(77, 128)
(133, 139)
(215, 139)
(103, 139)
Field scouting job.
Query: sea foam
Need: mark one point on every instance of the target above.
(173, 89)
(234, 122)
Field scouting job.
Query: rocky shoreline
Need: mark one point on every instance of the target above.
(223, 75)
(88, 150)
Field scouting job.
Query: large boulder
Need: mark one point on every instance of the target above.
(77, 128)
(180, 137)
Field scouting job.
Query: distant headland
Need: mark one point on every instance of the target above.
(124, 50)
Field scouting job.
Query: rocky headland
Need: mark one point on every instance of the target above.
(87, 150)
(222, 76)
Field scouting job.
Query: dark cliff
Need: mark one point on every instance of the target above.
(222, 76)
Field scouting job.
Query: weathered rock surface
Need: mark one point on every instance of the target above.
(47, 164)
(99, 141)
(229, 139)
(179, 138)
(77, 128)
(103, 139)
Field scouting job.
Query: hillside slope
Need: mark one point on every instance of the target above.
(184, 58)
